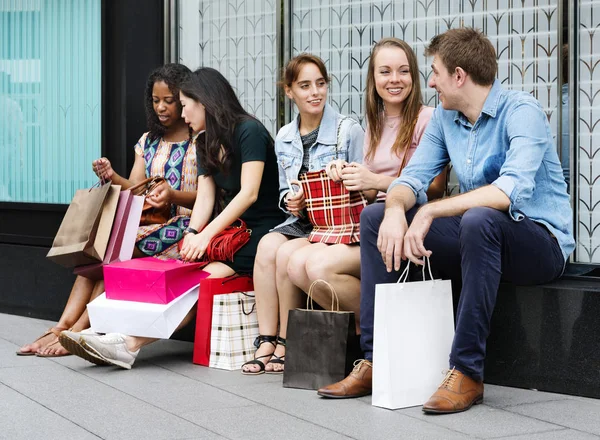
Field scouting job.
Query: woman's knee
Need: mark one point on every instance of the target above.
(267, 249)
(296, 267)
(319, 267)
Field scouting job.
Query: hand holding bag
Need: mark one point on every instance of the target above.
(224, 245)
(333, 210)
(413, 333)
(150, 214)
(321, 345)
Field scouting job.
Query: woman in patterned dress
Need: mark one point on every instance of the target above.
(309, 143)
(237, 160)
(165, 150)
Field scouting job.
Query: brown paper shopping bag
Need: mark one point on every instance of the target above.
(75, 242)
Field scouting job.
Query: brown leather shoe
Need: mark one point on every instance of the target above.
(358, 383)
(456, 393)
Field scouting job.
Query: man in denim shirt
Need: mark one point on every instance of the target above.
(511, 222)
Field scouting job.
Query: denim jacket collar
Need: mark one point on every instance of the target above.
(490, 106)
(327, 130)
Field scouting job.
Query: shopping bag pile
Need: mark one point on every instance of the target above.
(146, 297)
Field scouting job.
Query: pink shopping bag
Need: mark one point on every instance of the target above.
(122, 238)
(151, 280)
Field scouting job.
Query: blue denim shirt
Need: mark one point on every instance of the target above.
(289, 149)
(509, 146)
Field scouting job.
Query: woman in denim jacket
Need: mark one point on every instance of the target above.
(313, 141)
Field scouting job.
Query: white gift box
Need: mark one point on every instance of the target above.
(140, 319)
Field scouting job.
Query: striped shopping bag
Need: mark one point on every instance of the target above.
(233, 331)
(332, 209)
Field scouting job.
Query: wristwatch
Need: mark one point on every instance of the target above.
(189, 230)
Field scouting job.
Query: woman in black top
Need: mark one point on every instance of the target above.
(238, 161)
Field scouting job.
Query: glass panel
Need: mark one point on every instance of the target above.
(342, 32)
(588, 134)
(238, 39)
(49, 97)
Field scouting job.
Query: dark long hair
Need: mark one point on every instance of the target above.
(223, 112)
(172, 75)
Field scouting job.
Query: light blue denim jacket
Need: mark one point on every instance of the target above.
(509, 146)
(289, 150)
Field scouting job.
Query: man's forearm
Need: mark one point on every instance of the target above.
(400, 197)
(486, 196)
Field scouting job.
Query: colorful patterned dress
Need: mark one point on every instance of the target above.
(176, 162)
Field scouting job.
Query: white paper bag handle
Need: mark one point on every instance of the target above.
(334, 296)
(404, 274)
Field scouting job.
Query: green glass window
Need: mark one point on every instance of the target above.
(50, 88)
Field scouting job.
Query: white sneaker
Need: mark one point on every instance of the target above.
(72, 342)
(111, 348)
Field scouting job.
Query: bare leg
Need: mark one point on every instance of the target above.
(78, 298)
(339, 265)
(290, 296)
(56, 349)
(216, 270)
(265, 291)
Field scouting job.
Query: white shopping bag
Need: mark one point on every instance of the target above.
(413, 333)
(234, 329)
(140, 319)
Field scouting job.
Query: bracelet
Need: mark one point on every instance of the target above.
(190, 230)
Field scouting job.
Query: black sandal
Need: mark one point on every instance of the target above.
(279, 360)
(260, 340)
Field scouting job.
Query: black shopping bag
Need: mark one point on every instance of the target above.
(321, 345)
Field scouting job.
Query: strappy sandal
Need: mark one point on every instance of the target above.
(52, 330)
(260, 340)
(53, 355)
(279, 360)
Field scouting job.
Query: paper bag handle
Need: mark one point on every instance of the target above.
(404, 274)
(334, 296)
(242, 302)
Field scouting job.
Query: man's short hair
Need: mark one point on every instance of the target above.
(469, 49)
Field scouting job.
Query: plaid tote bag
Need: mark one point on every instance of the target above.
(234, 329)
(333, 210)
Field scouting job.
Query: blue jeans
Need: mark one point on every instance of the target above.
(478, 249)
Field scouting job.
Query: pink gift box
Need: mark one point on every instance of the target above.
(151, 280)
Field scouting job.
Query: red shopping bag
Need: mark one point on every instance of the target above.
(210, 287)
(333, 210)
(151, 280)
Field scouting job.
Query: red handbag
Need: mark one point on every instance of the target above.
(333, 210)
(226, 243)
